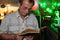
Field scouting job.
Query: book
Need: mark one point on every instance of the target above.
(30, 32)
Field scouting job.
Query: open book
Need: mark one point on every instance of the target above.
(30, 31)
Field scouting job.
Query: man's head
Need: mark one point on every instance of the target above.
(25, 6)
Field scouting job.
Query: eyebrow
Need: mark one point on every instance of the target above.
(26, 8)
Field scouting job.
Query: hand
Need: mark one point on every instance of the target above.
(8, 36)
(29, 37)
(19, 37)
(43, 28)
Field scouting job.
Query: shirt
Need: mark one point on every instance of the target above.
(13, 23)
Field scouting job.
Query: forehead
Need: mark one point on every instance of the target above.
(26, 3)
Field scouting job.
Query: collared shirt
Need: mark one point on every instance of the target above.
(13, 23)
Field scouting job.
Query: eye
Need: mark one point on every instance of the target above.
(25, 7)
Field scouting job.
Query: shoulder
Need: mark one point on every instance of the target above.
(32, 15)
(10, 15)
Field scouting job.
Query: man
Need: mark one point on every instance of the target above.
(16, 22)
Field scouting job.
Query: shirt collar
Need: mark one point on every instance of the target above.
(26, 16)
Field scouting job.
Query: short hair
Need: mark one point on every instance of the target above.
(31, 1)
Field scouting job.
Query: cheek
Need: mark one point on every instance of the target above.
(23, 11)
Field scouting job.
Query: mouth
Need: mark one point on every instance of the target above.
(25, 13)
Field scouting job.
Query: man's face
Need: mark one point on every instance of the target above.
(25, 7)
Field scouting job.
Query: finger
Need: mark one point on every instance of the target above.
(29, 37)
(19, 37)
